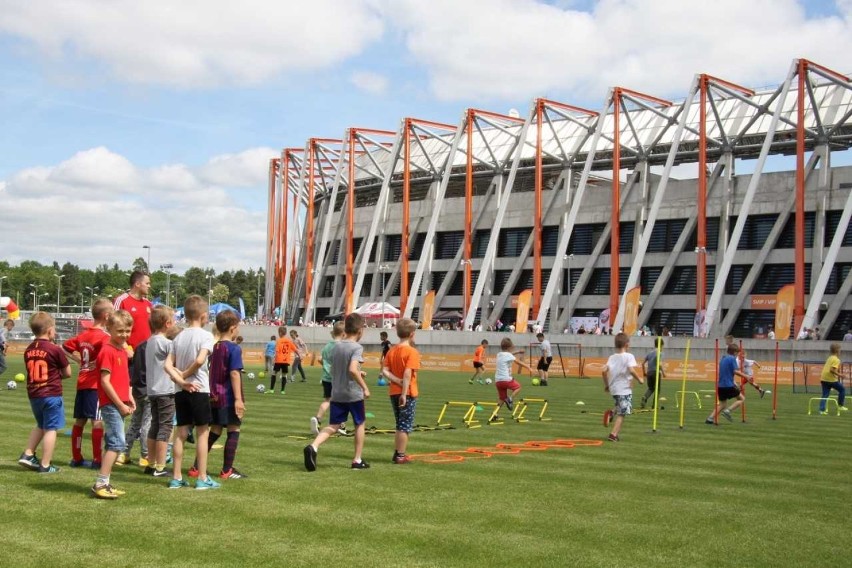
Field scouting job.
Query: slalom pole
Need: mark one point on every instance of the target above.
(683, 384)
(743, 382)
(775, 384)
(659, 383)
(716, 385)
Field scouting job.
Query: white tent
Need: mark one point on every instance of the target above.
(381, 310)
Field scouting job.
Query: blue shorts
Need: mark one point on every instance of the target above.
(113, 428)
(224, 416)
(340, 411)
(86, 404)
(404, 416)
(49, 412)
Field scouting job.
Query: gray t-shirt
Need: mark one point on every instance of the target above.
(343, 388)
(651, 363)
(186, 346)
(156, 350)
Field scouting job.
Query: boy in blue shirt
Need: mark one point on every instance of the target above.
(269, 355)
(727, 389)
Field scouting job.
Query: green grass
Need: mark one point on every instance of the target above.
(764, 493)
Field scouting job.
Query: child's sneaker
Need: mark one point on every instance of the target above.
(823, 412)
(510, 404)
(49, 469)
(310, 458)
(613, 438)
(709, 421)
(727, 414)
(360, 465)
(149, 470)
(80, 463)
(844, 409)
(161, 473)
(178, 483)
(104, 492)
(193, 472)
(401, 459)
(143, 462)
(121, 459)
(342, 430)
(96, 465)
(208, 483)
(29, 462)
(607, 417)
(232, 474)
(314, 425)
(762, 392)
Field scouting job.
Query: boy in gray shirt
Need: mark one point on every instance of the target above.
(348, 392)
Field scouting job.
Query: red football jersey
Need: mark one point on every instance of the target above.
(114, 360)
(88, 344)
(140, 310)
(45, 362)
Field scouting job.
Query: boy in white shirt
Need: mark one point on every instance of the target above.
(503, 379)
(618, 373)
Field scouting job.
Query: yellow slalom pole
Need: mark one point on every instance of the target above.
(659, 381)
(683, 383)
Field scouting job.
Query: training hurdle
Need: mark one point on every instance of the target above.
(827, 400)
(522, 405)
(468, 417)
(679, 400)
(493, 419)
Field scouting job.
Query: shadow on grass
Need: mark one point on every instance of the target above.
(53, 485)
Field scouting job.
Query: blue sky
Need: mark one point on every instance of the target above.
(153, 122)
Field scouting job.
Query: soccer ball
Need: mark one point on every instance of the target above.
(488, 381)
(261, 389)
(251, 375)
(536, 382)
(261, 375)
(11, 385)
(19, 378)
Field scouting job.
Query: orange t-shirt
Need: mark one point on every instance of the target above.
(477, 355)
(285, 350)
(401, 357)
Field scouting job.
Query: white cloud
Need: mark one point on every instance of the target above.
(195, 43)
(510, 49)
(97, 207)
(369, 82)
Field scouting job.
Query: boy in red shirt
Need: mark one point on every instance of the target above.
(114, 398)
(285, 351)
(46, 365)
(479, 361)
(400, 367)
(83, 350)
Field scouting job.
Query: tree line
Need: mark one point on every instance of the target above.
(32, 284)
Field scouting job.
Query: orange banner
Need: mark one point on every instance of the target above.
(784, 312)
(631, 310)
(522, 316)
(428, 310)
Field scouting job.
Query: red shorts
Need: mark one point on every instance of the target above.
(504, 387)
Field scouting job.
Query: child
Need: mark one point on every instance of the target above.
(727, 389)
(299, 354)
(348, 392)
(337, 332)
(84, 349)
(160, 389)
(284, 349)
(8, 326)
(832, 379)
(386, 345)
(140, 420)
(46, 365)
(478, 361)
(617, 374)
(227, 403)
(400, 368)
(545, 360)
(649, 369)
(187, 361)
(503, 375)
(114, 398)
(748, 369)
(269, 354)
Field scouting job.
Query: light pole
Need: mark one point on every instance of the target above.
(148, 263)
(382, 269)
(92, 290)
(168, 269)
(569, 258)
(35, 288)
(59, 278)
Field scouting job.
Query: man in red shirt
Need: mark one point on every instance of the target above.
(135, 301)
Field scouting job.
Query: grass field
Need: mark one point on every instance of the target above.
(764, 493)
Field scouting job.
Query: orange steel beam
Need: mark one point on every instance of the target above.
(271, 226)
(468, 213)
(422, 122)
(488, 113)
(536, 292)
(615, 218)
(643, 96)
(309, 265)
(572, 108)
(799, 255)
(406, 204)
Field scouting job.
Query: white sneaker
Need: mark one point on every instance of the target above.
(314, 425)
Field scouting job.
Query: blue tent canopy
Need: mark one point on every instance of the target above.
(221, 307)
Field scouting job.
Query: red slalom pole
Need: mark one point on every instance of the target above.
(775, 384)
(716, 385)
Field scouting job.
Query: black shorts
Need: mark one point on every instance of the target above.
(728, 393)
(283, 367)
(224, 416)
(477, 365)
(192, 408)
(326, 389)
(544, 363)
(86, 404)
(651, 381)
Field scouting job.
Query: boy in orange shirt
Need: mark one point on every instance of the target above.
(400, 367)
(285, 351)
(479, 360)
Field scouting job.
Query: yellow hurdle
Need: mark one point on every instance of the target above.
(493, 419)
(521, 409)
(468, 417)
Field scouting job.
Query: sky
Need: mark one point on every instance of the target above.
(126, 124)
